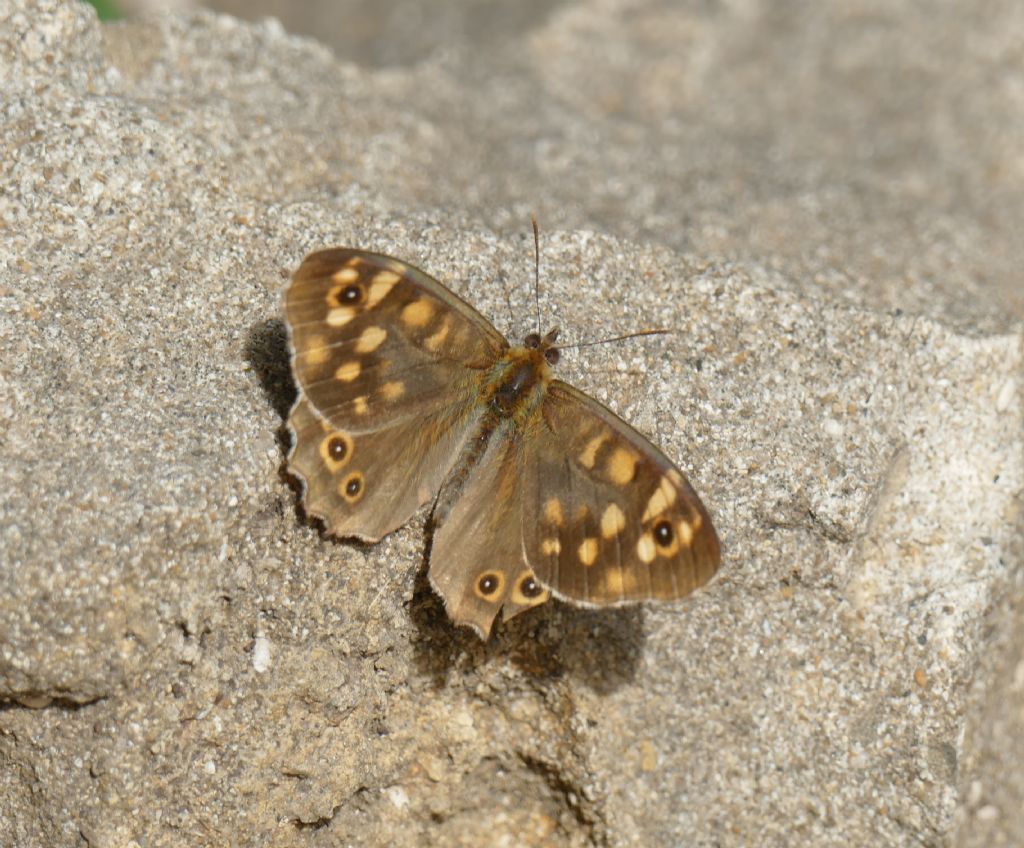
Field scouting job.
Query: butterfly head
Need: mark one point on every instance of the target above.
(545, 344)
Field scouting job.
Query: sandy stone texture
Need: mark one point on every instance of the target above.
(821, 203)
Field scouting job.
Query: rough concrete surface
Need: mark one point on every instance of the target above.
(819, 202)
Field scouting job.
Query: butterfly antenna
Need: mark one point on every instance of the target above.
(536, 270)
(616, 339)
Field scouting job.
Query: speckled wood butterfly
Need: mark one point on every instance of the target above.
(408, 395)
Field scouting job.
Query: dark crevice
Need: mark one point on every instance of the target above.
(572, 798)
(46, 701)
(317, 824)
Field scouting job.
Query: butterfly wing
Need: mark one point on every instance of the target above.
(388, 364)
(476, 555)
(607, 518)
(375, 340)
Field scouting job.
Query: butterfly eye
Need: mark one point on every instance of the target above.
(663, 533)
(532, 340)
(530, 588)
(351, 294)
(551, 355)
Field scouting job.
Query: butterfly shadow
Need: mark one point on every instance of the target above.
(600, 648)
(266, 351)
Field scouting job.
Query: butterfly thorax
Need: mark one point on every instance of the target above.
(515, 386)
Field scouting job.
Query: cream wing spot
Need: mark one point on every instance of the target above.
(553, 512)
(645, 549)
(685, 530)
(612, 521)
(382, 283)
(588, 456)
(315, 350)
(664, 496)
(615, 581)
(348, 371)
(359, 404)
(340, 316)
(345, 275)
(622, 466)
(588, 551)
(393, 390)
(371, 339)
(436, 339)
(459, 337)
(417, 313)
(385, 278)
(551, 547)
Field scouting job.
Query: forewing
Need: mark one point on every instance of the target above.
(607, 518)
(374, 340)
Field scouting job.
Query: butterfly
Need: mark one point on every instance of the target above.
(408, 396)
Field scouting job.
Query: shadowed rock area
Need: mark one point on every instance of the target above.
(819, 203)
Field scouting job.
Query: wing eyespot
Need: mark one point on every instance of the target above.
(528, 591)
(663, 534)
(337, 448)
(530, 588)
(352, 294)
(353, 487)
(489, 585)
(346, 295)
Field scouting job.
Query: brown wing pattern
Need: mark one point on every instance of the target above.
(394, 372)
(374, 340)
(607, 518)
(368, 484)
(476, 558)
(388, 363)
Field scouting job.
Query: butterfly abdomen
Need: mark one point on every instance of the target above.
(472, 453)
(511, 394)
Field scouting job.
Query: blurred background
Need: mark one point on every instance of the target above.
(870, 146)
(371, 32)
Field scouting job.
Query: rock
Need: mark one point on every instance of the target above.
(187, 661)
